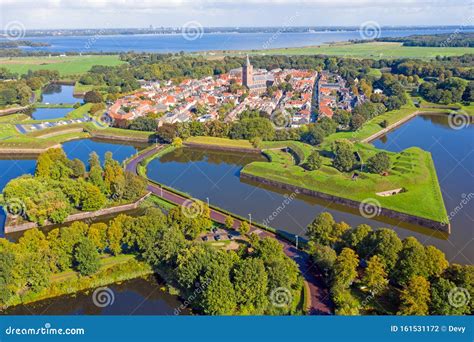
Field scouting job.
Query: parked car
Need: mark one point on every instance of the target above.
(217, 237)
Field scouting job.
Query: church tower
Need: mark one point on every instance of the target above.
(247, 74)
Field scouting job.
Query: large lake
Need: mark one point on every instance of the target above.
(215, 175)
(209, 41)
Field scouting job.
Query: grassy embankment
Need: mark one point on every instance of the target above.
(412, 169)
(374, 50)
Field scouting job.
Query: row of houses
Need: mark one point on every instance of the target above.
(332, 94)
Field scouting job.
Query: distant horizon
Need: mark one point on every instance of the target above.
(468, 27)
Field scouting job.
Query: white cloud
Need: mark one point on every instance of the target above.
(139, 13)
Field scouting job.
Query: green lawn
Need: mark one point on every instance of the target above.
(220, 142)
(412, 169)
(376, 50)
(70, 65)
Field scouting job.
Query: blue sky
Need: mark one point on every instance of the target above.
(134, 13)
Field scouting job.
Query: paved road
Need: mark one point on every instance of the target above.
(320, 303)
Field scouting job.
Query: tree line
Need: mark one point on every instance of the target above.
(61, 185)
(374, 271)
(221, 282)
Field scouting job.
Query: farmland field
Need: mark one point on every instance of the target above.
(69, 65)
(369, 50)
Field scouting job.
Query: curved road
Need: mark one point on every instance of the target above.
(319, 295)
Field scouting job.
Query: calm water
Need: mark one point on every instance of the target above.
(453, 154)
(133, 297)
(57, 94)
(208, 41)
(215, 175)
(49, 113)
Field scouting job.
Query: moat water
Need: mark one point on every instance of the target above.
(215, 175)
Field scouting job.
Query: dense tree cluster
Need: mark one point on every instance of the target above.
(460, 39)
(451, 90)
(61, 185)
(221, 282)
(20, 91)
(377, 260)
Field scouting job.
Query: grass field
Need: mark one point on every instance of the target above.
(377, 50)
(69, 65)
(220, 142)
(412, 169)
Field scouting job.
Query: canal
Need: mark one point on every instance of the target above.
(214, 175)
(140, 296)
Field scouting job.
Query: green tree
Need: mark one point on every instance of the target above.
(412, 261)
(313, 162)
(356, 237)
(77, 167)
(345, 268)
(86, 257)
(250, 283)
(229, 222)
(177, 142)
(415, 297)
(379, 163)
(436, 262)
(344, 158)
(7, 269)
(321, 229)
(346, 303)
(385, 243)
(440, 303)
(92, 97)
(324, 257)
(375, 276)
(97, 233)
(114, 178)
(115, 234)
(135, 186)
(219, 296)
(93, 199)
(244, 228)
